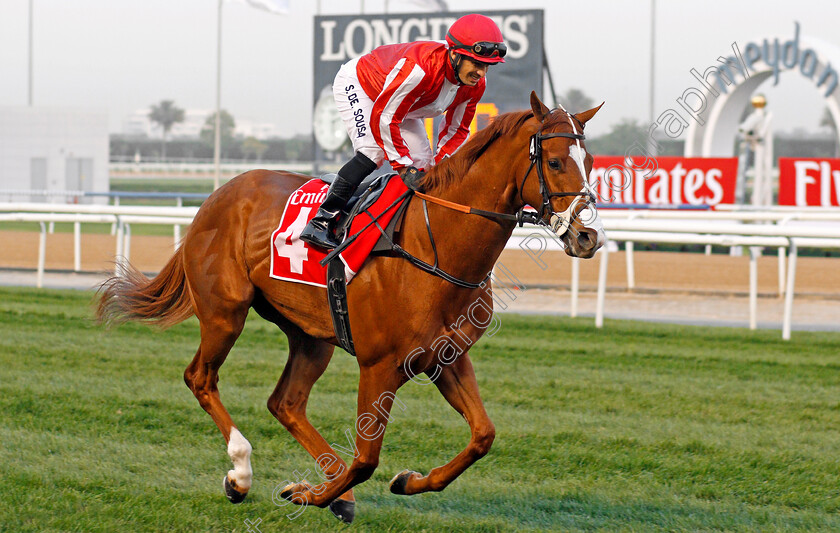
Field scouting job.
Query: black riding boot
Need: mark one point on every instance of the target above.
(320, 230)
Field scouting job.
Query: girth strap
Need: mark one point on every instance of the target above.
(337, 296)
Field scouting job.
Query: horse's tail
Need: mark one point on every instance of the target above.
(163, 301)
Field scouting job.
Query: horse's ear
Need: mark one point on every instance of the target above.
(584, 116)
(539, 108)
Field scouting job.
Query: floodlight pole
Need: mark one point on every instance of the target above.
(652, 147)
(31, 25)
(547, 70)
(652, 57)
(218, 135)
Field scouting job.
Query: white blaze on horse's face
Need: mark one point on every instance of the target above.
(586, 216)
(578, 154)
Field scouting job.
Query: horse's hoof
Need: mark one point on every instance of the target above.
(343, 510)
(232, 494)
(400, 480)
(293, 488)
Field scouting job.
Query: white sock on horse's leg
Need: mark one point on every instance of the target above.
(239, 450)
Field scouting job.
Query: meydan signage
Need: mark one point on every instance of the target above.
(789, 55)
(716, 108)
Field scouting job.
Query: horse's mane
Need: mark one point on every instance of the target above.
(454, 167)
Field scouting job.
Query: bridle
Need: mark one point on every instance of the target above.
(559, 223)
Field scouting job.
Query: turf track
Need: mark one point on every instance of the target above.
(640, 427)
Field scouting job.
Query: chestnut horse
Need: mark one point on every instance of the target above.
(221, 270)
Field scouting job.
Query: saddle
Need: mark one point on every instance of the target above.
(368, 191)
(372, 219)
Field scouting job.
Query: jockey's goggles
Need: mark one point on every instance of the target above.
(481, 48)
(485, 49)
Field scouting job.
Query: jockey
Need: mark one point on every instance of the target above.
(384, 96)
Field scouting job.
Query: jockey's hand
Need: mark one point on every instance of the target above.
(412, 177)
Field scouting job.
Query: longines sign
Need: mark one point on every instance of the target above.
(341, 38)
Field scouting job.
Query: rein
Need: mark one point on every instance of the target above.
(416, 261)
(520, 217)
(559, 221)
(562, 220)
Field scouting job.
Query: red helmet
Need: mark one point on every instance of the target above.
(478, 37)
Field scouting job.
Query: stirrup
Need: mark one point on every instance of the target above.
(319, 235)
(324, 244)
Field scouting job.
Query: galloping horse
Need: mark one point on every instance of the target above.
(221, 270)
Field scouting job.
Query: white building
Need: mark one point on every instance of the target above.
(53, 149)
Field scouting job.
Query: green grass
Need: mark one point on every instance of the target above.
(168, 185)
(92, 228)
(636, 427)
(190, 185)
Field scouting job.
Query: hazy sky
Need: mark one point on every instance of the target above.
(125, 55)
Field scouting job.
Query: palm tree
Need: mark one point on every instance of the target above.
(166, 115)
(827, 119)
(629, 132)
(228, 125)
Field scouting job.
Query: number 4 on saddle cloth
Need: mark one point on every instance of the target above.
(297, 261)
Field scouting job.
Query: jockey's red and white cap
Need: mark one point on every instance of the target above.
(478, 37)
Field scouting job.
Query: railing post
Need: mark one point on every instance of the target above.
(176, 229)
(629, 248)
(791, 280)
(77, 246)
(631, 267)
(118, 271)
(602, 286)
(114, 225)
(42, 255)
(127, 246)
(782, 253)
(573, 311)
(754, 250)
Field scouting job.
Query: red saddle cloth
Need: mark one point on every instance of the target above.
(295, 260)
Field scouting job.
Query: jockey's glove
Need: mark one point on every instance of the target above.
(412, 177)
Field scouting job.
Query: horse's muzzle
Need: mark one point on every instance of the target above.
(586, 243)
(585, 237)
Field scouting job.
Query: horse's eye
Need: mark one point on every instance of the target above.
(554, 164)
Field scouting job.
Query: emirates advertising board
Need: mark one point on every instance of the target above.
(809, 182)
(340, 38)
(671, 181)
